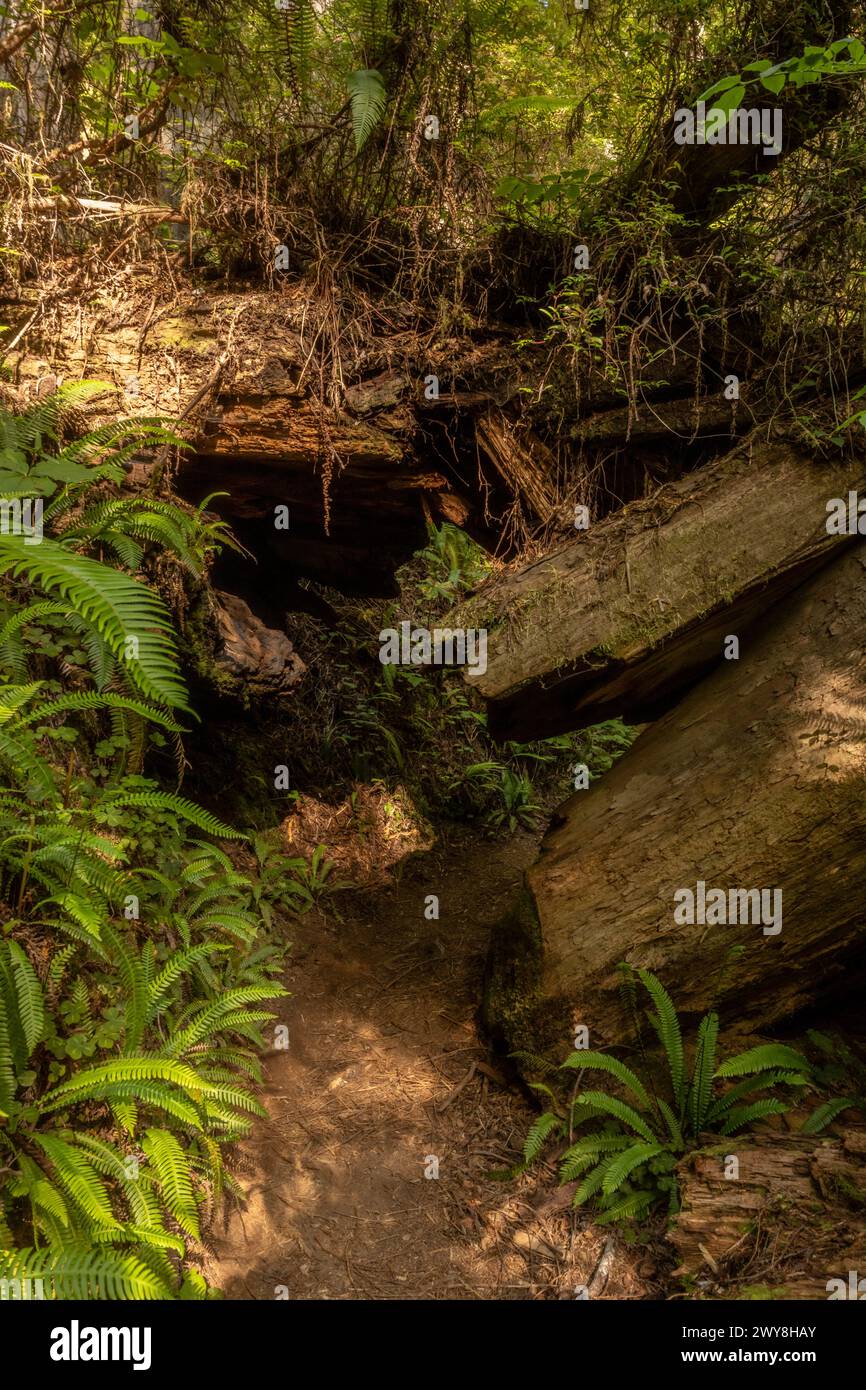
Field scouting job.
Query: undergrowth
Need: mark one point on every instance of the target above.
(676, 1098)
(422, 726)
(138, 961)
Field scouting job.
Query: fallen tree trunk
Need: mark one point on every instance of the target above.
(654, 421)
(753, 782)
(750, 1229)
(628, 615)
(346, 461)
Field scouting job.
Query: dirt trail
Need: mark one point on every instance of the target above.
(373, 1090)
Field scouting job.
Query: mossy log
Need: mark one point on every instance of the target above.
(624, 618)
(755, 781)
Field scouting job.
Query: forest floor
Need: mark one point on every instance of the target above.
(385, 1076)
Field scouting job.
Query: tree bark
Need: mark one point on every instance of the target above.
(782, 1179)
(627, 616)
(522, 461)
(755, 781)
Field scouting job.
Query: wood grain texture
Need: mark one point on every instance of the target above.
(626, 616)
(754, 781)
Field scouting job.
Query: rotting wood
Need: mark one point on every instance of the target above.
(621, 620)
(525, 464)
(752, 782)
(783, 1179)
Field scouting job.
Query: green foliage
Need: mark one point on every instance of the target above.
(34, 460)
(627, 1166)
(299, 21)
(838, 1066)
(843, 58)
(368, 100)
(421, 727)
(131, 621)
(135, 965)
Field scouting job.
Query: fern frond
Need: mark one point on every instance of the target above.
(298, 34)
(368, 99)
(766, 1057)
(600, 1061)
(78, 1272)
(77, 1176)
(97, 700)
(92, 1082)
(701, 1090)
(31, 1002)
(171, 1165)
(539, 1133)
(634, 1205)
(762, 1081)
(586, 1151)
(669, 1032)
(825, 1114)
(625, 1164)
(120, 608)
(747, 1114)
(610, 1105)
(178, 805)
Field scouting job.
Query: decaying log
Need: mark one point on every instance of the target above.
(626, 616)
(782, 1186)
(106, 208)
(377, 393)
(754, 781)
(655, 421)
(237, 367)
(526, 465)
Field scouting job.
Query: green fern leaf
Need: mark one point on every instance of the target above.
(538, 1135)
(83, 1273)
(701, 1090)
(747, 1114)
(31, 1002)
(172, 1168)
(825, 1114)
(586, 1151)
(77, 1176)
(600, 1061)
(625, 1163)
(610, 1105)
(629, 1207)
(765, 1058)
(120, 608)
(763, 1081)
(165, 801)
(368, 100)
(669, 1032)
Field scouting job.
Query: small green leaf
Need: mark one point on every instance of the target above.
(774, 84)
